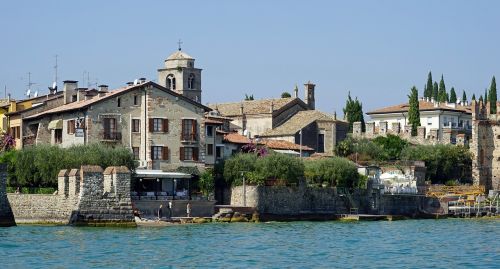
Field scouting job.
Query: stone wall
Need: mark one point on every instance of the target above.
(408, 205)
(199, 208)
(85, 196)
(449, 135)
(6, 216)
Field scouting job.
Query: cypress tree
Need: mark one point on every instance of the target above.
(481, 99)
(464, 97)
(453, 95)
(428, 92)
(435, 91)
(442, 91)
(353, 111)
(413, 111)
(493, 96)
(485, 96)
(473, 97)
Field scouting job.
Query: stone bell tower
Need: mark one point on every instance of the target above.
(180, 75)
(309, 95)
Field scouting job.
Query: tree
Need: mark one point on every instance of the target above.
(442, 91)
(353, 112)
(413, 111)
(453, 95)
(464, 97)
(249, 97)
(485, 96)
(435, 91)
(429, 87)
(481, 99)
(473, 97)
(493, 96)
(286, 95)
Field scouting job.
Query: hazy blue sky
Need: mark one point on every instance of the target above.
(375, 49)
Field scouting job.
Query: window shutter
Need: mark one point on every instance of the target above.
(181, 153)
(164, 152)
(165, 125)
(195, 154)
(68, 130)
(182, 130)
(194, 130)
(151, 125)
(152, 153)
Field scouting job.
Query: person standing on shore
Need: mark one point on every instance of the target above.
(188, 209)
(160, 212)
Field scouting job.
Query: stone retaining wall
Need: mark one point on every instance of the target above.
(40, 208)
(6, 216)
(149, 208)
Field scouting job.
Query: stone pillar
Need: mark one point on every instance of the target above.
(74, 182)
(421, 133)
(108, 179)
(460, 139)
(92, 181)
(395, 128)
(6, 215)
(122, 178)
(407, 131)
(63, 183)
(446, 139)
(383, 127)
(433, 135)
(357, 129)
(370, 129)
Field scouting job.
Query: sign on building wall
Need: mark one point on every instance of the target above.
(79, 132)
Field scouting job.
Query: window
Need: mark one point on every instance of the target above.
(191, 81)
(188, 154)
(135, 150)
(119, 102)
(158, 125)
(170, 82)
(71, 127)
(110, 132)
(159, 153)
(445, 120)
(136, 100)
(74, 98)
(15, 132)
(210, 149)
(210, 131)
(58, 136)
(429, 121)
(218, 152)
(136, 125)
(188, 130)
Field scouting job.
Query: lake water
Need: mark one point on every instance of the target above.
(451, 243)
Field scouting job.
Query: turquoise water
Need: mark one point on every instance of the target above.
(452, 243)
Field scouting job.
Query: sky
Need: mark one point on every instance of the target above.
(377, 50)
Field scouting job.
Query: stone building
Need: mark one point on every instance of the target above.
(284, 118)
(161, 127)
(485, 146)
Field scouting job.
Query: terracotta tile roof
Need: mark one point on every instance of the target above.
(107, 95)
(236, 138)
(262, 106)
(282, 144)
(297, 122)
(423, 106)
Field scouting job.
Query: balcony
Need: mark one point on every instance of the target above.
(111, 136)
(188, 137)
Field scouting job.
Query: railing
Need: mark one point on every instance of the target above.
(188, 137)
(112, 136)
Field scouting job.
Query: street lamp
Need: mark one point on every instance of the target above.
(244, 188)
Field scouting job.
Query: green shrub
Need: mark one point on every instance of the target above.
(391, 145)
(206, 182)
(38, 166)
(237, 165)
(336, 171)
(279, 167)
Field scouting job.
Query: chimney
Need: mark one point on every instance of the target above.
(309, 92)
(70, 90)
(130, 83)
(103, 88)
(8, 98)
(241, 108)
(296, 91)
(142, 80)
(272, 107)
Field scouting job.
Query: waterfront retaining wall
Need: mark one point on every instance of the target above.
(199, 208)
(6, 215)
(85, 196)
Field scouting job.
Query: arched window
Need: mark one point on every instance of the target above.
(191, 81)
(170, 82)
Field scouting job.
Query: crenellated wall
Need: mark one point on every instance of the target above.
(85, 196)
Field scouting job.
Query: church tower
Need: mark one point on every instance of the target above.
(180, 75)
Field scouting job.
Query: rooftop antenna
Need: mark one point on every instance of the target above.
(88, 79)
(55, 69)
(28, 92)
(5, 91)
(179, 43)
(53, 89)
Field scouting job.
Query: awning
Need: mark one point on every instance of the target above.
(55, 124)
(287, 151)
(142, 173)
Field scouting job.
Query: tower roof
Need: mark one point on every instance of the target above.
(179, 55)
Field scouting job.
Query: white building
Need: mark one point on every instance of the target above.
(433, 115)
